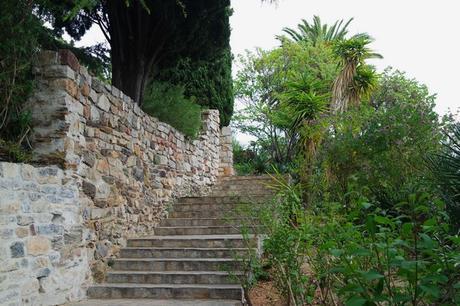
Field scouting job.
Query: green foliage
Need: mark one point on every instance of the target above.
(376, 231)
(280, 89)
(445, 167)
(18, 35)
(208, 81)
(380, 149)
(317, 32)
(359, 254)
(168, 103)
(252, 160)
(182, 42)
(95, 58)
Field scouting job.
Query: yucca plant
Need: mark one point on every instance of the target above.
(445, 167)
(356, 80)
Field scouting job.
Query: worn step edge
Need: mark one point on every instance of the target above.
(192, 237)
(174, 277)
(155, 302)
(175, 272)
(179, 291)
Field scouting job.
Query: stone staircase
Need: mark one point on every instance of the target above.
(189, 258)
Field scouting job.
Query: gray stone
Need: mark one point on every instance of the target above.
(6, 233)
(89, 189)
(102, 250)
(103, 103)
(43, 272)
(17, 249)
(50, 229)
(57, 243)
(48, 171)
(57, 218)
(24, 220)
(89, 159)
(138, 174)
(34, 196)
(73, 235)
(67, 193)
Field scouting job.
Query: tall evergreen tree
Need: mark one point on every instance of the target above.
(148, 36)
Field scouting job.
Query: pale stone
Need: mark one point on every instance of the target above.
(38, 245)
(103, 103)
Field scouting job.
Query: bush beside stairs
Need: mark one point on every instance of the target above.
(191, 259)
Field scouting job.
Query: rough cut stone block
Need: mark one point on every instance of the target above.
(17, 249)
(103, 103)
(38, 245)
(66, 57)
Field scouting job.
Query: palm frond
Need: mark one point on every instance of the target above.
(317, 31)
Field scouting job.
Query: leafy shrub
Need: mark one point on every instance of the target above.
(360, 254)
(168, 104)
(377, 231)
(18, 36)
(380, 149)
(208, 81)
(445, 167)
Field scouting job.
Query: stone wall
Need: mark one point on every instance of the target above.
(226, 152)
(108, 172)
(43, 254)
(131, 164)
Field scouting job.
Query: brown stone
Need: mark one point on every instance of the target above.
(38, 245)
(68, 85)
(22, 232)
(66, 57)
(85, 90)
(103, 166)
(87, 112)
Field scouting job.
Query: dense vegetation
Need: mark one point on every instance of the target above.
(18, 29)
(371, 214)
(182, 45)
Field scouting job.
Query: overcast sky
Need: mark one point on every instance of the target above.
(420, 37)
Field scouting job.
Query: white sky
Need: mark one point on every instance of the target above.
(420, 37)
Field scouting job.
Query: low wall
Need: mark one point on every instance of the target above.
(44, 258)
(123, 167)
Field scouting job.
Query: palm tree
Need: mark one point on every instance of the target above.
(318, 32)
(356, 80)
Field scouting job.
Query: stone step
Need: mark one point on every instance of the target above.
(174, 277)
(245, 187)
(192, 241)
(156, 302)
(211, 213)
(224, 199)
(214, 206)
(202, 222)
(176, 264)
(166, 291)
(236, 178)
(200, 230)
(246, 195)
(146, 252)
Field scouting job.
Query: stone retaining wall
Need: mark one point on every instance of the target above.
(44, 258)
(115, 171)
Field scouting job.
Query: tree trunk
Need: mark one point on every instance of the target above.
(137, 38)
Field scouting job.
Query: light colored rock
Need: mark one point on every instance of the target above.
(103, 103)
(38, 245)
